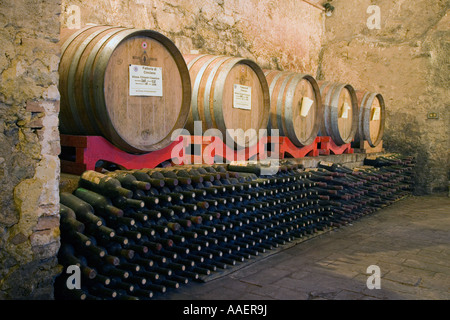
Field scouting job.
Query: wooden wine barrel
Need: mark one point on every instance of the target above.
(295, 106)
(340, 112)
(131, 86)
(229, 94)
(371, 117)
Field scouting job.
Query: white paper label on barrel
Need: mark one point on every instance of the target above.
(145, 81)
(345, 109)
(306, 106)
(376, 112)
(242, 97)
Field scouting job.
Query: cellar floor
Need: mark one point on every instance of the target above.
(409, 241)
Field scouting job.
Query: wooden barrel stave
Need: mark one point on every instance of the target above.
(287, 91)
(337, 123)
(370, 129)
(94, 81)
(213, 79)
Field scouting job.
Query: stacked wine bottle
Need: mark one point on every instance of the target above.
(135, 234)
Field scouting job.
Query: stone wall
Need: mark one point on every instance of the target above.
(405, 58)
(276, 34)
(29, 148)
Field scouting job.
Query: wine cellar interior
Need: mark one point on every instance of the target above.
(158, 150)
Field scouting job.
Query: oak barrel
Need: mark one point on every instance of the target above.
(131, 86)
(371, 117)
(340, 112)
(229, 94)
(295, 106)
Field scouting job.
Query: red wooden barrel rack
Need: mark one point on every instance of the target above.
(81, 153)
(88, 150)
(286, 147)
(327, 146)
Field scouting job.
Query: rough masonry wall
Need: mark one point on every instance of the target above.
(29, 148)
(406, 60)
(276, 34)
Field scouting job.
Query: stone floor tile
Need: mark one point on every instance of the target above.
(438, 258)
(267, 276)
(340, 268)
(425, 265)
(254, 296)
(280, 293)
(222, 293)
(349, 295)
(439, 282)
(402, 269)
(237, 284)
(407, 279)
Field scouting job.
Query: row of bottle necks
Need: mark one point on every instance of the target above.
(183, 248)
